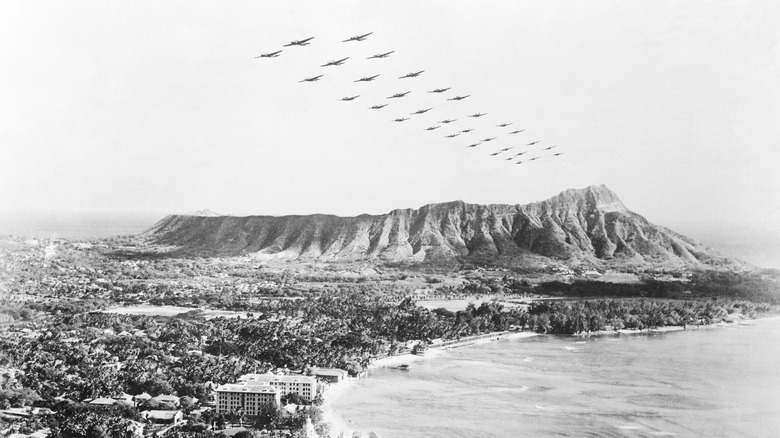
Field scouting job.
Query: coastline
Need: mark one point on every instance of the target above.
(338, 425)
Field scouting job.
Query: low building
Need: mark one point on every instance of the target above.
(330, 375)
(304, 386)
(163, 418)
(246, 397)
(171, 400)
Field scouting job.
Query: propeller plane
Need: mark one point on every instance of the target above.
(299, 42)
(357, 37)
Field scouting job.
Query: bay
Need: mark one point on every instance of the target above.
(713, 382)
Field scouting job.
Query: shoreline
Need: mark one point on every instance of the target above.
(338, 424)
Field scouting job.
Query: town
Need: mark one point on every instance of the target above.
(99, 338)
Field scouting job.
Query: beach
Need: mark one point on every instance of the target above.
(338, 424)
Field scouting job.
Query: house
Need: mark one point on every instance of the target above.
(330, 375)
(169, 399)
(140, 398)
(163, 417)
(102, 401)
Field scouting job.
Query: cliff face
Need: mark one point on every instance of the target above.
(590, 224)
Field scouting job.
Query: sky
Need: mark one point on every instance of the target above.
(162, 107)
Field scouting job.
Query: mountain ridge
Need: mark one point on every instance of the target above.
(589, 225)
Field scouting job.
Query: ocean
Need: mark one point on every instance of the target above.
(713, 382)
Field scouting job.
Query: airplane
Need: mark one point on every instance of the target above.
(488, 139)
(559, 153)
(312, 79)
(473, 145)
(447, 121)
(270, 55)
(459, 97)
(347, 99)
(510, 158)
(378, 106)
(466, 131)
(381, 55)
(506, 149)
(453, 135)
(533, 142)
(422, 111)
(440, 90)
(495, 153)
(478, 115)
(521, 153)
(520, 162)
(299, 43)
(397, 95)
(503, 125)
(517, 132)
(431, 128)
(534, 158)
(357, 38)
(411, 75)
(402, 119)
(367, 79)
(550, 147)
(339, 62)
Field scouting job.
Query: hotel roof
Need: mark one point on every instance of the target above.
(249, 388)
(275, 378)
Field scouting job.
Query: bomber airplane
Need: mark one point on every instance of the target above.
(270, 55)
(357, 37)
(440, 90)
(411, 75)
(473, 145)
(488, 139)
(503, 125)
(533, 142)
(517, 132)
(299, 42)
(459, 97)
(381, 55)
(431, 128)
(478, 115)
(453, 135)
(422, 111)
(312, 79)
(348, 99)
(445, 121)
(367, 79)
(397, 95)
(339, 62)
(402, 119)
(378, 106)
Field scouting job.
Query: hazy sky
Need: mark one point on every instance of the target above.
(162, 107)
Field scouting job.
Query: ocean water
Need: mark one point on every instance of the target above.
(715, 382)
(81, 225)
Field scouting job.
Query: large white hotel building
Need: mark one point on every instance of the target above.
(249, 398)
(253, 391)
(304, 386)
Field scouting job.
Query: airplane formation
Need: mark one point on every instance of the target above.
(517, 158)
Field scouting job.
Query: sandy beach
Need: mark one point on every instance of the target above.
(338, 424)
